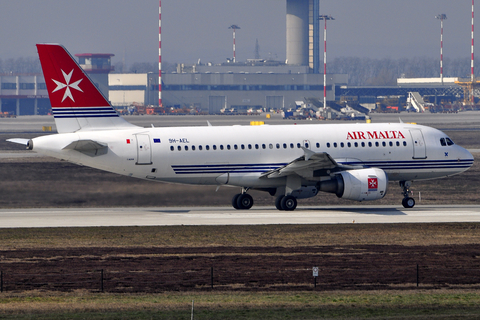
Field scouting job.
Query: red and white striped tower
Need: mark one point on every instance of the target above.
(160, 53)
(473, 73)
(234, 27)
(441, 17)
(325, 18)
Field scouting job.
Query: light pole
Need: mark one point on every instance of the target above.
(441, 17)
(325, 18)
(234, 27)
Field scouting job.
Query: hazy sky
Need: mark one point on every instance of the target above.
(194, 29)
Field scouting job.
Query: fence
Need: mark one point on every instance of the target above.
(376, 277)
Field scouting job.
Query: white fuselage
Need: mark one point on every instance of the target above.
(203, 155)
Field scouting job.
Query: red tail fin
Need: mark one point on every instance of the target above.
(76, 101)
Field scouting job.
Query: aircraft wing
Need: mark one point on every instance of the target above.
(309, 165)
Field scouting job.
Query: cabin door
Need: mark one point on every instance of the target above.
(419, 147)
(144, 150)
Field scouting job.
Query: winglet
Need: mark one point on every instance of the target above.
(308, 153)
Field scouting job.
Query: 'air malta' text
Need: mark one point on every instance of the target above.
(361, 135)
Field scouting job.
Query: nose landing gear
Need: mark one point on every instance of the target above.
(407, 202)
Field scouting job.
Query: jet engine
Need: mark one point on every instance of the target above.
(359, 184)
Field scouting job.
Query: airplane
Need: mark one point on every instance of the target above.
(290, 162)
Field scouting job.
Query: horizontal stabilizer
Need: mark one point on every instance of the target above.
(19, 141)
(89, 147)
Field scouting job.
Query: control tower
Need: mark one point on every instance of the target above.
(303, 43)
(97, 66)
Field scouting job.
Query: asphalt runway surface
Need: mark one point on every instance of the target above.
(467, 120)
(174, 216)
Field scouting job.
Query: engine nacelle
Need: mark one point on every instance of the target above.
(359, 185)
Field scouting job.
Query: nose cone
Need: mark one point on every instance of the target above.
(465, 157)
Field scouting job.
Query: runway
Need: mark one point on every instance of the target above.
(174, 216)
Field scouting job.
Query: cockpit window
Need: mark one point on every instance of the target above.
(446, 142)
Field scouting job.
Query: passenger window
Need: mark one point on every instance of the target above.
(263, 146)
(284, 146)
(384, 144)
(328, 144)
(349, 144)
(221, 147)
(334, 144)
(179, 148)
(249, 146)
(390, 143)
(397, 143)
(355, 144)
(200, 148)
(256, 146)
(404, 143)
(235, 147)
(342, 145)
(369, 144)
(278, 145)
(363, 144)
(172, 148)
(207, 147)
(299, 145)
(306, 145)
(270, 146)
(193, 148)
(214, 147)
(376, 144)
(291, 145)
(228, 147)
(242, 147)
(186, 148)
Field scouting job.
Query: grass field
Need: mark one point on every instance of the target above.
(310, 304)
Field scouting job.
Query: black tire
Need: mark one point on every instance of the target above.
(244, 201)
(289, 203)
(278, 202)
(234, 201)
(408, 203)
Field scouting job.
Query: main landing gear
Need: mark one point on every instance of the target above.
(286, 203)
(407, 201)
(242, 201)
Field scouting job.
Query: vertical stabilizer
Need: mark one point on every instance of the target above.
(77, 104)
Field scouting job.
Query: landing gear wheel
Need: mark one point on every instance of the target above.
(278, 202)
(289, 203)
(244, 201)
(234, 201)
(408, 202)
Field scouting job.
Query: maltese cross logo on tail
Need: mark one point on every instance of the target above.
(67, 85)
(372, 184)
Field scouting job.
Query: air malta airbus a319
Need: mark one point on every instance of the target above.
(354, 161)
